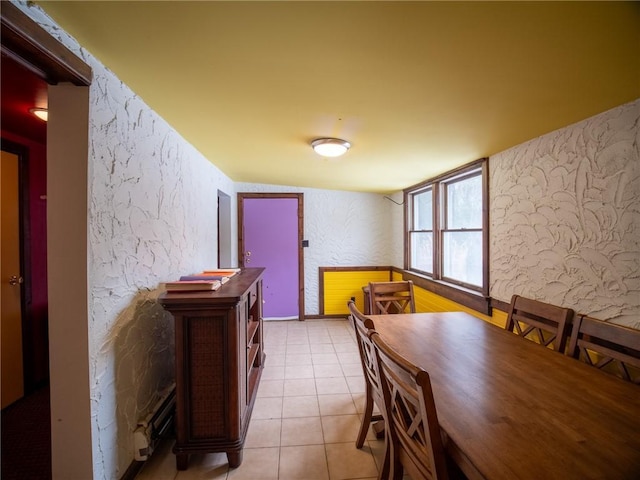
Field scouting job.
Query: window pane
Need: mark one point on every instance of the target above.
(422, 251)
(423, 211)
(462, 257)
(464, 203)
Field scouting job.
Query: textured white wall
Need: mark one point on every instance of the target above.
(152, 217)
(396, 223)
(343, 229)
(565, 217)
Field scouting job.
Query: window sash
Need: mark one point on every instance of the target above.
(422, 210)
(453, 213)
(462, 257)
(422, 251)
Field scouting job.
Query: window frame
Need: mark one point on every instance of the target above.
(438, 186)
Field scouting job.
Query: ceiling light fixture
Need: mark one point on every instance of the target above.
(41, 113)
(330, 147)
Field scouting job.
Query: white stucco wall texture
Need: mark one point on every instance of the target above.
(565, 217)
(152, 217)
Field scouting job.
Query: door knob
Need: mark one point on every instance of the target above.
(15, 280)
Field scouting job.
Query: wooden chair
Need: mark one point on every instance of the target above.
(539, 319)
(373, 392)
(391, 297)
(414, 440)
(609, 344)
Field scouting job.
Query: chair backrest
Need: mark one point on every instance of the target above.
(416, 445)
(548, 324)
(363, 327)
(607, 345)
(391, 297)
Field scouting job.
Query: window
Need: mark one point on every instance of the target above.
(447, 222)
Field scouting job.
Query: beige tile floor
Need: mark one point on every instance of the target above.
(306, 417)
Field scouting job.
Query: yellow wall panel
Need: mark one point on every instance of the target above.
(427, 301)
(340, 286)
(499, 318)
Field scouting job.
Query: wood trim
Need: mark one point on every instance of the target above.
(405, 198)
(485, 228)
(33, 47)
(319, 317)
(353, 269)
(500, 305)
(300, 196)
(438, 210)
(451, 173)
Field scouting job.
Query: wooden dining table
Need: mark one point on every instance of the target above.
(512, 409)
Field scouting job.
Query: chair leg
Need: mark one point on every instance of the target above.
(366, 420)
(398, 469)
(385, 472)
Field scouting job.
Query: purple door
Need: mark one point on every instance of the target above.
(270, 235)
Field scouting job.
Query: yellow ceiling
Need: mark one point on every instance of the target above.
(418, 88)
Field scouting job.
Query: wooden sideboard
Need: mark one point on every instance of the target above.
(219, 361)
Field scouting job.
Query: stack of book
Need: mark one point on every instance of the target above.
(207, 280)
(192, 285)
(222, 272)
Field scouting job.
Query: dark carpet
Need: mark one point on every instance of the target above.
(26, 438)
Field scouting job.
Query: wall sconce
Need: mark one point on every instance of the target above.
(41, 113)
(330, 147)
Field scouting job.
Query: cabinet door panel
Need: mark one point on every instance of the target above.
(207, 367)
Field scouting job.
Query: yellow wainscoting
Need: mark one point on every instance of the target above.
(340, 286)
(427, 301)
(499, 318)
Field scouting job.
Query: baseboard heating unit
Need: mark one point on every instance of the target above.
(151, 429)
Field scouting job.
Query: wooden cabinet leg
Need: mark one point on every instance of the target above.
(234, 458)
(182, 461)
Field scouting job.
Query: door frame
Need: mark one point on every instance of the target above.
(24, 235)
(36, 49)
(28, 44)
(224, 230)
(300, 197)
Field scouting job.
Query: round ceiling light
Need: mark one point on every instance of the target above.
(41, 113)
(330, 147)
